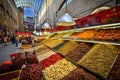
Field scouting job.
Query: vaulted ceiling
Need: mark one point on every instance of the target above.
(35, 4)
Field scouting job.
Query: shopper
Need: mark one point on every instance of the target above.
(5, 40)
(13, 38)
(2, 41)
(17, 40)
(19, 43)
(32, 38)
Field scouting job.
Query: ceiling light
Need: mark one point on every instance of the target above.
(46, 25)
(66, 20)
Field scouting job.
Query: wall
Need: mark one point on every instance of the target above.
(50, 11)
(20, 20)
(9, 22)
(80, 8)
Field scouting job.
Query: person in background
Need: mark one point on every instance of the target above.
(29, 40)
(19, 43)
(5, 40)
(2, 39)
(32, 38)
(17, 40)
(13, 38)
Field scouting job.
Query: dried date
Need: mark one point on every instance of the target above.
(9, 76)
(79, 51)
(31, 72)
(79, 74)
(114, 73)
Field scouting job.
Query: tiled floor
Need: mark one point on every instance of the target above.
(6, 50)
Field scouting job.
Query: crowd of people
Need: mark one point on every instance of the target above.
(23, 39)
(6, 37)
(13, 38)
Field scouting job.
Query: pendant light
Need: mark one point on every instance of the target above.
(66, 19)
(46, 24)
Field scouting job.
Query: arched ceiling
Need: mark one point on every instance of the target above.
(35, 4)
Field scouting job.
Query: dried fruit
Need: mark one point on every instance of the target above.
(51, 35)
(31, 72)
(67, 35)
(42, 50)
(58, 35)
(31, 59)
(54, 43)
(107, 34)
(50, 60)
(99, 59)
(45, 55)
(10, 75)
(87, 34)
(58, 70)
(67, 47)
(114, 73)
(25, 46)
(17, 62)
(79, 74)
(4, 68)
(79, 51)
(47, 41)
(74, 35)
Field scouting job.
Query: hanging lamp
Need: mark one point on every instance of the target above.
(66, 19)
(46, 24)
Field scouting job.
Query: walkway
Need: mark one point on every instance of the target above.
(6, 50)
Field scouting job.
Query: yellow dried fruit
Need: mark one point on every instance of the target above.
(59, 35)
(67, 47)
(54, 43)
